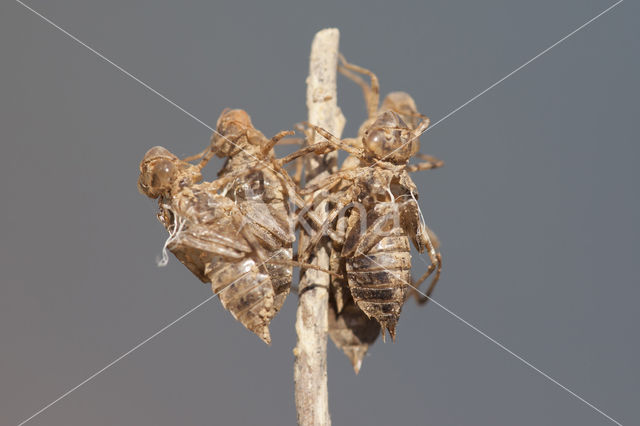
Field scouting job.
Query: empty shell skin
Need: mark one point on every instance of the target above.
(211, 245)
(399, 102)
(376, 251)
(260, 195)
(246, 291)
(201, 223)
(352, 331)
(207, 236)
(383, 219)
(404, 105)
(267, 223)
(378, 264)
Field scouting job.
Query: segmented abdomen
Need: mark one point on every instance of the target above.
(260, 197)
(352, 331)
(246, 292)
(378, 279)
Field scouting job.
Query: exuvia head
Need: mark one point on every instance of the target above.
(390, 139)
(234, 133)
(403, 104)
(159, 170)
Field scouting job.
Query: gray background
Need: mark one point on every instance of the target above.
(537, 208)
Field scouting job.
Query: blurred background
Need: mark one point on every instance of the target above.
(537, 208)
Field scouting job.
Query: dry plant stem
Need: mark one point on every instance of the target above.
(310, 368)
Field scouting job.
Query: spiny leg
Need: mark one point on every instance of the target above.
(427, 157)
(420, 128)
(337, 142)
(291, 141)
(371, 93)
(291, 185)
(316, 148)
(429, 163)
(297, 176)
(196, 156)
(331, 143)
(330, 181)
(318, 234)
(208, 153)
(266, 149)
(435, 266)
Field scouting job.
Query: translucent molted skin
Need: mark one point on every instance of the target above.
(375, 268)
(378, 264)
(375, 247)
(161, 171)
(389, 138)
(237, 231)
(212, 245)
(373, 251)
(235, 134)
(351, 330)
(260, 194)
(403, 104)
(157, 171)
(206, 235)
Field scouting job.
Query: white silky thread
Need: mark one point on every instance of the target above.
(177, 227)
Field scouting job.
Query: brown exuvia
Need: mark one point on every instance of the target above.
(234, 232)
(375, 211)
(237, 232)
(206, 236)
